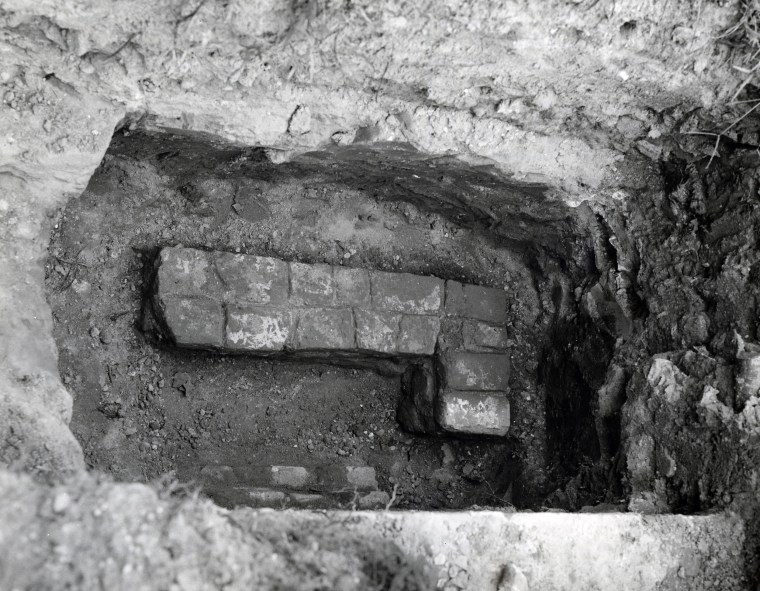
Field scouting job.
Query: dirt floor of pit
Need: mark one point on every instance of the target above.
(143, 411)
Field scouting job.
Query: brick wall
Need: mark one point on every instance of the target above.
(239, 303)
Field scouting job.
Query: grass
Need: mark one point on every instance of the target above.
(744, 38)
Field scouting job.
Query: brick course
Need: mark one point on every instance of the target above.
(247, 303)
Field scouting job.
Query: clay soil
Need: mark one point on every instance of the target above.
(144, 410)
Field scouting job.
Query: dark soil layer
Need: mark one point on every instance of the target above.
(142, 410)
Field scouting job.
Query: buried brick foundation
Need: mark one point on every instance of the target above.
(235, 303)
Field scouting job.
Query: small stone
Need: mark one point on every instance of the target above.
(512, 579)
(182, 382)
(448, 454)
(374, 499)
(94, 332)
(61, 502)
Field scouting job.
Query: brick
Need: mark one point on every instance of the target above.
(187, 272)
(308, 500)
(476, 413)
(258, 328)
(404, 292)
(352, 287)
(475, 371)
(476, 302)
(361, 477)
(325, 329)
(481, 335)
(266, 496)
(418, 334)
(195, 323)
(374, 500)
(295, 477)
(253, 279)
(377, 331)
(311, 285)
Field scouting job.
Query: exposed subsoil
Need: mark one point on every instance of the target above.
(143, 410)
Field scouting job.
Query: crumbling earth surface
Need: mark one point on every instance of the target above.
(600, 102)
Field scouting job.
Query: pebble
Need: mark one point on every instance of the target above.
(61, 502)
(94, 332)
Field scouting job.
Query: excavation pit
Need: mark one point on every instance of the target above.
(226, 321)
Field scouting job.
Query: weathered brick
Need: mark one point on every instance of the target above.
(258, 328)
(325, 329)
(481, 335)
(361, 477)
(308, 500)
(475, 371)
(374, 500)
(266, 497)
(377, 331)
(418, 334)
(311, 285)
(352, 287)
(404, 292)
(187, 272)
(477, 302)
(197, 323)
(253, 279)
(477, 413)
(295, 477)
